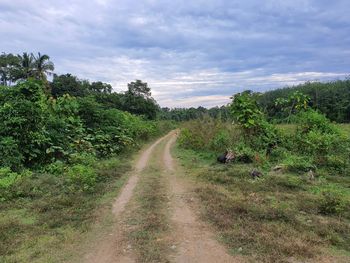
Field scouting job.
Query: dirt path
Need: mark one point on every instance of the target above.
(194, 240)
(113, 248)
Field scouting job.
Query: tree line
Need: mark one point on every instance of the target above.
(15, 68)
(330, 98)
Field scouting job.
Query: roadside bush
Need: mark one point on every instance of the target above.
(64, 128)
(81, 177)
(189, 140)
(23, 111)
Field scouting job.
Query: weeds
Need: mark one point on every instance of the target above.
(46, 213)
(279, 217)
(148, 221)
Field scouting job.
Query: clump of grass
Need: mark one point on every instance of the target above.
(148, 221)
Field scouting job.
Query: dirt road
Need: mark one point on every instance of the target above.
(191, 239)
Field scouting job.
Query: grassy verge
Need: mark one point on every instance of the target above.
(42, 224)
(148, 220)
(278, 218)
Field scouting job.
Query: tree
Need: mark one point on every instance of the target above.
(100, 87)
(139, 89)
(138, 100)
(258, 132)
(296, 102)
(27, 66)
(68, 84)
(42, 66)
(9, 67)
(245, 110)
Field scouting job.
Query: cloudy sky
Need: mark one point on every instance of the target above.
(190, 52)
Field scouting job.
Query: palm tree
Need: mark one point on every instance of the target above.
(27, 64)
(42, 66)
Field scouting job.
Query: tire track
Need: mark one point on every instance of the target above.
(195, 243)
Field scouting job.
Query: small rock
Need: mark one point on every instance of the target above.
(128, 247)
(309, 221)
(240, 249)
(173, 247)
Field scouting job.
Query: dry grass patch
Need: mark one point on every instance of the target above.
(277, 218)
(148, 221)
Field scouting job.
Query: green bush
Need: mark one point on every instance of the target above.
(332, 203)
(55, 168)
(189, 140)
(244, 153)
(23, 111)
(337, 163)
(312, 120)
(10, 155)
(298, 163)
(82, 158)
(81, 177)
(221, 141)
(8, 181)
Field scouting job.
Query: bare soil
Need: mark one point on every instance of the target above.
(194, 240)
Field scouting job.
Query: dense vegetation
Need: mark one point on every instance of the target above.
(299, 207)
(63, 145)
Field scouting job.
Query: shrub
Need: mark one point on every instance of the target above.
(298, 163)
(312, 120)
(221, 141)
(82, 158)
(81, 177)
(10, 156)
(55, 168)
(8, 181)
(258, 132)
(189, 140)
(336, 163)
(23, 111)
(332, 202)
(244, 153)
